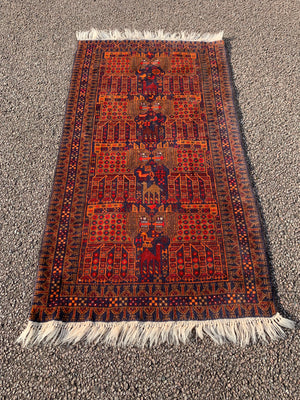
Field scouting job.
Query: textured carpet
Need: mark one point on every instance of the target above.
(37, 48)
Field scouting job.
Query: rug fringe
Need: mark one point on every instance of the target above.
(240, 331)
(127, 34)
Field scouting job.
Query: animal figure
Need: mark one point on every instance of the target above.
(153, 189)
(141, 175)
(149, 135)
(151, 263)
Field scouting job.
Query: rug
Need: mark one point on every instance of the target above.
(153, 232)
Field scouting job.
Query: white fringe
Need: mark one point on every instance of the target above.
(241, 331)
(127, 34)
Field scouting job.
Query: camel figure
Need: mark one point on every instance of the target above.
(150, 260)
(154, 189)
(149, 135)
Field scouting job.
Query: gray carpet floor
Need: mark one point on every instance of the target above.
(37, 49)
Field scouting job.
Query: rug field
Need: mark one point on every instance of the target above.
(152, 231)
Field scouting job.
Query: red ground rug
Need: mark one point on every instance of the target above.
(152, 231)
